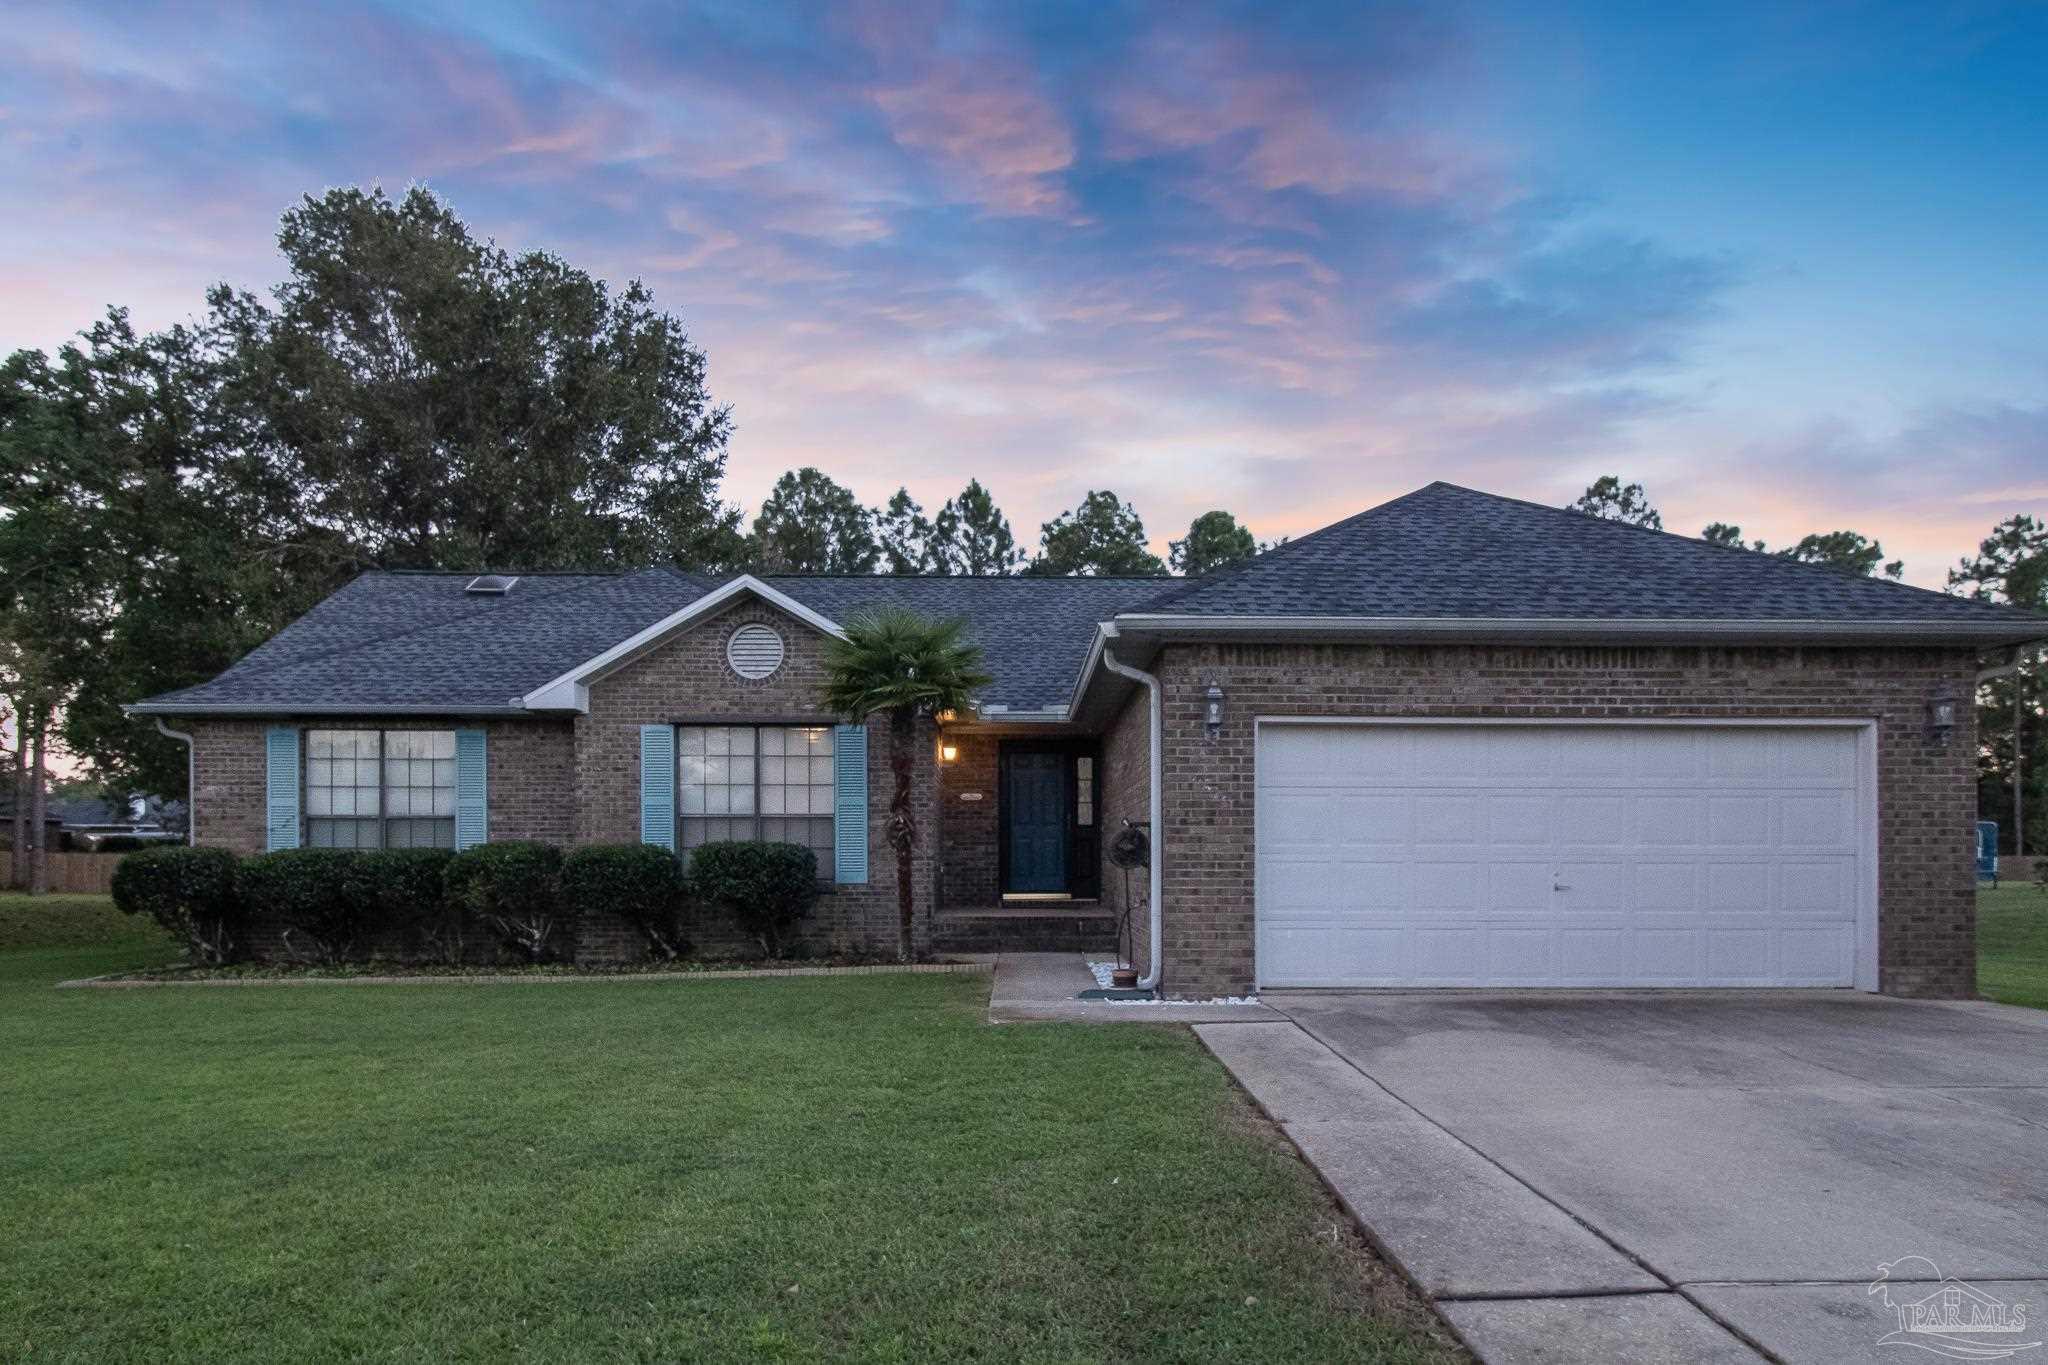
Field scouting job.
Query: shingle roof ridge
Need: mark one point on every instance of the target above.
(974, 577)
(1191, 587)
(1198, 586)
(508, 573)
(1886, 584)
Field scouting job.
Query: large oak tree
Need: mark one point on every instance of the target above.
(408, 396)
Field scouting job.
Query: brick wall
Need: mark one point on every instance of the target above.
(968, 853)
(1126, 779)
(577, 781)
(688, 680)
(1926, 793)
(530, 764)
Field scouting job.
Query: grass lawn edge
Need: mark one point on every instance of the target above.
(125, 981)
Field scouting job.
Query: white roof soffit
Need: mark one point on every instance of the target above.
(1508, 629)
(257, 708)
(1105, 631)
(571, 691)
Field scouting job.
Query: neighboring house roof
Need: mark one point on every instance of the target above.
(81, 811)
(1439, 560)
(87, 810)
(50, 813)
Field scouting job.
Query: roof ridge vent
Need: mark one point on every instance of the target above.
(491, 584)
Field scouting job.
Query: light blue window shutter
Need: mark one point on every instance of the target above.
(658, 785)
(849, 804)
(281, 772)
(472, 790)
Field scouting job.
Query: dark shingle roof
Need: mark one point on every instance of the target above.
(418, 641)
(462, 652)
(1034, 633)
(1450, 552)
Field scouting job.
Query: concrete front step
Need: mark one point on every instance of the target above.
(1024, 929)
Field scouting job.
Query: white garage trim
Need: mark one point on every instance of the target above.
(1865, 800)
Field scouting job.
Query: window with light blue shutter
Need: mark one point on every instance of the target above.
(472, 790)
(850, 804)
(658, 785)
(281, 774)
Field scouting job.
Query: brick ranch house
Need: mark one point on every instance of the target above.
(1455, 740)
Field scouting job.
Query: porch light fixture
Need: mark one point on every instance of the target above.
(948, 752)
(1941, 715)
(1212, 712)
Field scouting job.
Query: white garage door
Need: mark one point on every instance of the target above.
(1559, 855)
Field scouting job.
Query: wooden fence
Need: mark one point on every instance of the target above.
(90, 874)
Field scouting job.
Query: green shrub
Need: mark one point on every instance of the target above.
(316, 895)
(192, 892)
(643, 883)
(403, 891)
(766, 887)
(515, 890)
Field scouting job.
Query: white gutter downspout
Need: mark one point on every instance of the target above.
(191, 781)
(1149, 981)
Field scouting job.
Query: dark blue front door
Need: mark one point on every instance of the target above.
(1035, 806)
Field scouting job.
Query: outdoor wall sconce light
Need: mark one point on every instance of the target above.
(948, 752)
(1941, 715)
(1212, 714)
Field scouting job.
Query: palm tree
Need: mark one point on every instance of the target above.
(903, 665)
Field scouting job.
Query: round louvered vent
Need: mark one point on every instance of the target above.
(754, 651)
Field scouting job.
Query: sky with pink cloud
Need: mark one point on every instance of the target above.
(1785, 263)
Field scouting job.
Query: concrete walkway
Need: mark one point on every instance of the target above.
(1679, 1177)
(1032, 986)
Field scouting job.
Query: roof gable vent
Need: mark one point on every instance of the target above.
(491, 584)
(754, 651)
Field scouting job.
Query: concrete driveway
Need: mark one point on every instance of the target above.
(1682, 1176)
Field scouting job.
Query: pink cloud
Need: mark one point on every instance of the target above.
(1240, 264)
(995, 137)
(1269, 125)
(1000, 144)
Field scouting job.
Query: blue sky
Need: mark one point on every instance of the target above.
(1783, 263)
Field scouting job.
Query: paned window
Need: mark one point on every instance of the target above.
(380, 788)
(755, 782)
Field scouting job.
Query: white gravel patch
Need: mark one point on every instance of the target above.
(1218, 1000)
(1103, 969)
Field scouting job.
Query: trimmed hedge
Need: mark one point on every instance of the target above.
(405, 892)
(765, 886)
(193, 893)
(514, 890)
(316, 894)
(334, 905)
(643, 883)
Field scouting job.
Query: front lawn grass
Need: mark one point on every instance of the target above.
(73, 922)
(826, 1168)
(2012, 944)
